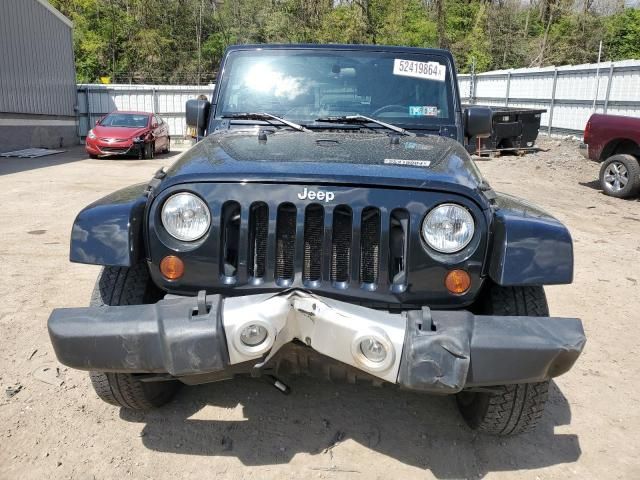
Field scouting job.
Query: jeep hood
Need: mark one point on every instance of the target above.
(329, 158)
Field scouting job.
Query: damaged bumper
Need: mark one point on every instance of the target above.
(113, 148)
(431, 351)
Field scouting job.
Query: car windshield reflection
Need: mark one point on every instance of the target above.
(125, 120)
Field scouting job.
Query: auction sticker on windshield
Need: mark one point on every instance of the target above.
(425, 70)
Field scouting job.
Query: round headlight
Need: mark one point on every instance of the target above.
(185, 217)
(448, 228)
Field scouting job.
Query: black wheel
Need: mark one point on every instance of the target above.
(167, 149)
(128, 286)
(142, 151)
(620, 176)
(508, 409)
(152, 150)
(92, 156)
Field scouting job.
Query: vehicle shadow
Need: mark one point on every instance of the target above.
(265, 427)
(9, 165)
(594, 184)
(157, 156)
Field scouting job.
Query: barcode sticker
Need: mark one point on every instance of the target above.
(424, 70)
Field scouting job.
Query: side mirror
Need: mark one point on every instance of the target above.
(198, 115)
(477, 122)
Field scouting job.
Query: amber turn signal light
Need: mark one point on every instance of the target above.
(172, 267)
(457, 281)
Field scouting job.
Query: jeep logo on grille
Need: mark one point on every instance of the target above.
(307, 194)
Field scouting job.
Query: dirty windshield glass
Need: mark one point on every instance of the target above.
(125, 120)
(303, 85)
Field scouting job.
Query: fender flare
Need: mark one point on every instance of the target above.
(529, 246)
(110, 231)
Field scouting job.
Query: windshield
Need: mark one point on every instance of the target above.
(125, 120)
(304, 85)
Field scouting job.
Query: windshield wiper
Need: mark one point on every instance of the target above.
(363, 119)
(265, 117)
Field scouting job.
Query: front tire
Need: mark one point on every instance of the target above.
(508, 409)
(620, 176)
(125, 390)
(128, 286)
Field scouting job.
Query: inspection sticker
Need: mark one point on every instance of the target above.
(409, 163)
(423, 111)
(424, 70)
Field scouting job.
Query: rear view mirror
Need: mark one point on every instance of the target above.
(197, 115)
(477, 122)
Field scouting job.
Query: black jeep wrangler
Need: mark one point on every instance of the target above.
(328, 221)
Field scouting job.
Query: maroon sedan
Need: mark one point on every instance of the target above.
(128, 133)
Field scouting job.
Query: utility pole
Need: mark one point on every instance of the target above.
(595, 94)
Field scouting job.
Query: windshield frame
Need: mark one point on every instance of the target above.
(425, 55)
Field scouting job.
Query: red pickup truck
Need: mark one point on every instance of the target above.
(615, 141)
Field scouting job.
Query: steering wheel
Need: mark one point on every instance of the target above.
(389, 108)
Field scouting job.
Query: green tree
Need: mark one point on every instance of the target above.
(622, 35)
(183, 41)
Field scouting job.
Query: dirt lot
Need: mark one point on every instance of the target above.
(55, 427)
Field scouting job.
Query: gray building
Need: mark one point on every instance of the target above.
(37, 76)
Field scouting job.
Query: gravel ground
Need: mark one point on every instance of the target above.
(53, 426)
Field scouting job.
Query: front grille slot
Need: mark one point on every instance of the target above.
(313, 233)
(341, 244)
(229, 238)
(398, 235)
(258, 230)
(369, 245)
(285, 241)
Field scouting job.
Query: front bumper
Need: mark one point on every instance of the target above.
(103, 148)
(431, 351)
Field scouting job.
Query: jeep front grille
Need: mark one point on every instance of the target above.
(320, 243)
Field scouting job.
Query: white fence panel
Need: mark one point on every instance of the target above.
(567, 93)
(168, 101)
